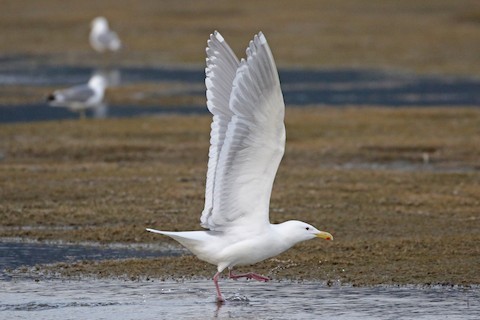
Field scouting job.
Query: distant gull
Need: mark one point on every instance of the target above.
(102, 38)
(81, 97)
(247, 142)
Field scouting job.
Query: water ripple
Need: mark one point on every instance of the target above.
(194, 299)
(38, 306)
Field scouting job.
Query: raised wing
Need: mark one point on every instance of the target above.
(221, 68)
(254, 144)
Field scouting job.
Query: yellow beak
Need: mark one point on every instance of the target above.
(324, 235)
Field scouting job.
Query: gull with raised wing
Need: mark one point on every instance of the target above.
(247, 142)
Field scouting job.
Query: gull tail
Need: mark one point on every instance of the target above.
(183, 239)
(192, 240)
(55, 98)
(157, 231)
(183, 236)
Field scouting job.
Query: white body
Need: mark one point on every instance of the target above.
(226, 250)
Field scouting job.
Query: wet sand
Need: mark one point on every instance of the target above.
(398, 189)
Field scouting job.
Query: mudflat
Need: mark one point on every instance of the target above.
(398, 188)
(433, 36)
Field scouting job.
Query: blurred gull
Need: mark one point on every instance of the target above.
(247, 142)
(81, 97)
(113, 77)
(102, 38)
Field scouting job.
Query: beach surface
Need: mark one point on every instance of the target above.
(398, 189)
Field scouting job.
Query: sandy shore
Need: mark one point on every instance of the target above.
(398, 189)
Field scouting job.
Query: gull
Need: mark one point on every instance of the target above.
(102, 38)
(247, 143)
(80, 97)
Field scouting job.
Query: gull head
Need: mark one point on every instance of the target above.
(99, 24)
(299, 231)
(97, 81)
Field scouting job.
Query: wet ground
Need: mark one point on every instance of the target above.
(194, 299)
(144, 91)
(50, 297)
(383, 181)
(18, 253)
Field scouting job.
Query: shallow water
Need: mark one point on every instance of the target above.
(336, 87)
(25, 298)
(15, 254)
(194, 299)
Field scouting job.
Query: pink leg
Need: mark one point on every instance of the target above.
(219, 294)
(249, 275)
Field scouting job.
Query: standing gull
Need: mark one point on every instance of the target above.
(80, 97)
(102, 38)
(247, 142)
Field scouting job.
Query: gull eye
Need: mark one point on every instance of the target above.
(307, 228)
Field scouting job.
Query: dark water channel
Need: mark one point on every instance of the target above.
(301, 87)
(15, 254)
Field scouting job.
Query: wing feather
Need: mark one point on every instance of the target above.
(253, 145)
(80, 94)
(220, 72)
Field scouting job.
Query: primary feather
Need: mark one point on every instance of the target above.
(220, 73)
(253, 144)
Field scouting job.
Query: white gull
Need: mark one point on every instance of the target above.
(81, 97)
(102, 38)
(247, 144)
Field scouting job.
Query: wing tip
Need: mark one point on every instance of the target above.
(259, 40)
(214, 37)
(262, 38)
(218, 36)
